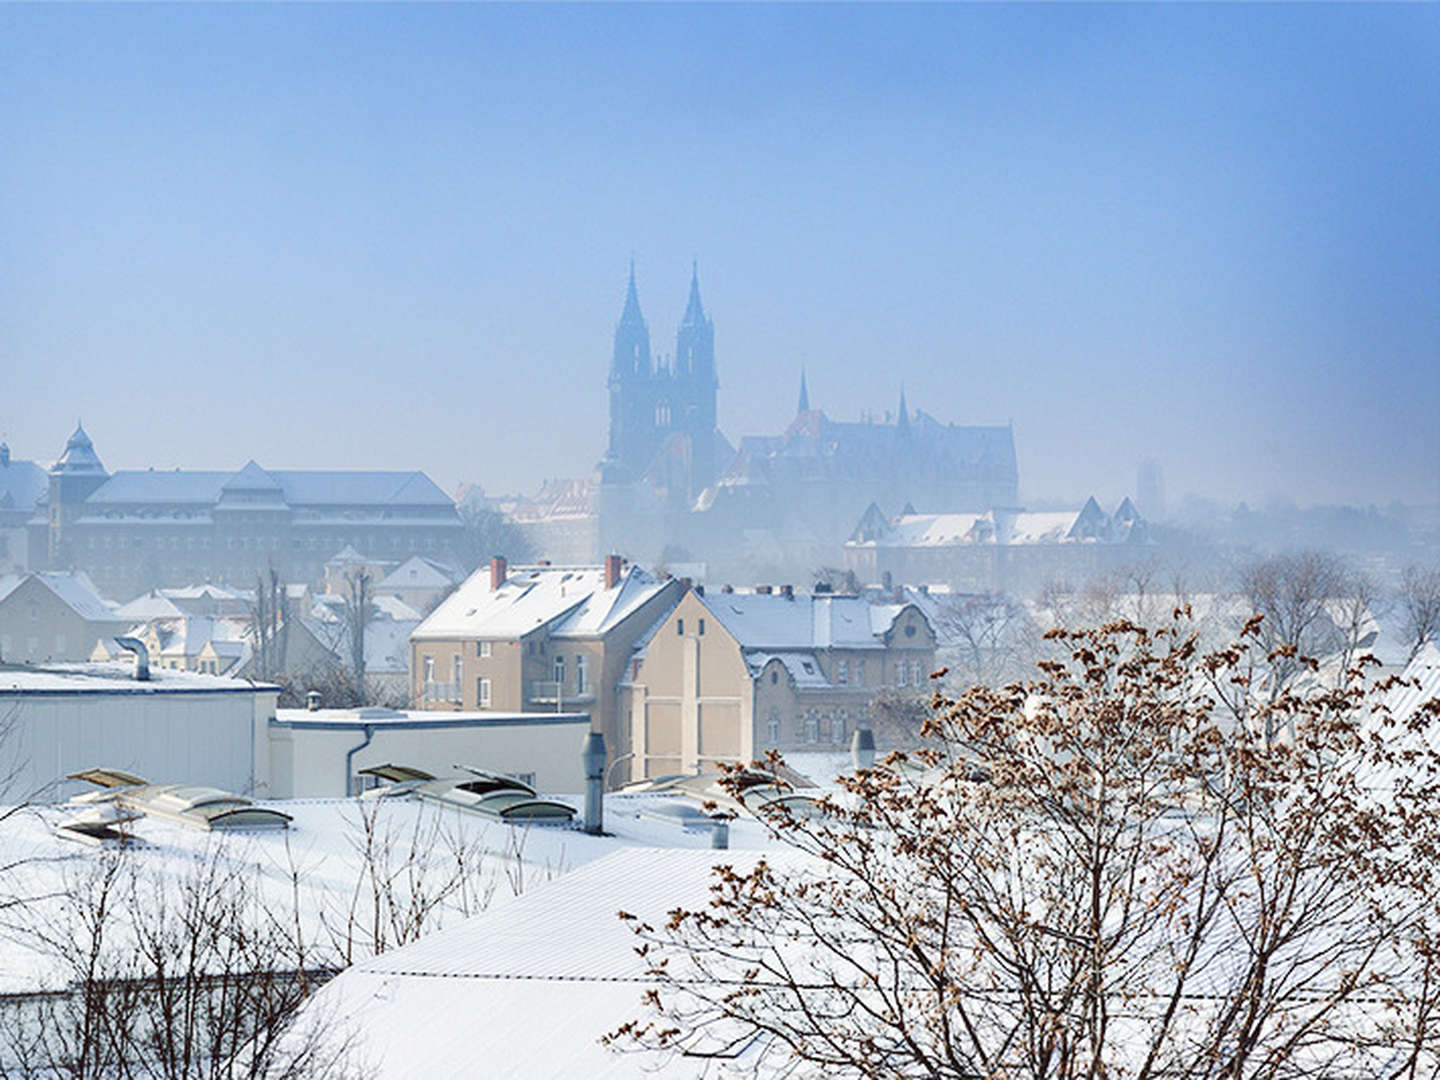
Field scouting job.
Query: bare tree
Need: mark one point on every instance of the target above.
(357, 617)
(1419, 606)
(985, 637)
(1292, 593)
(1100, 873)
(269, 620)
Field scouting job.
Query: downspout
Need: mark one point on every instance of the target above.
(350, 756)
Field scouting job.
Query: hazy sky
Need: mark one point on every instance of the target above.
(396, 236)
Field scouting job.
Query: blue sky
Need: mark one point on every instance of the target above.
(396, 236)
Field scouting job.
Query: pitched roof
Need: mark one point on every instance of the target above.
(571, 600)
(23, 485)
(298, 487)
(775, 623)
(75, 590)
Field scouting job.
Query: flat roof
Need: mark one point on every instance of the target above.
(397, 719)
(113, 677)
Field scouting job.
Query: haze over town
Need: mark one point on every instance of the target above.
(398, 237)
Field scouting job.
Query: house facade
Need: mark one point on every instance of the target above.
(727, 676)
(52, 617)
(538, 638)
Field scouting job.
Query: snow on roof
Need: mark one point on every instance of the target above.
(299, 487)
(996, 526)
(116, 677)
(75, 590)
(804, 669)
(559, 950)
(323, 842)
(418, 572)
(147, 606)
(392, 607)
(23, 485)
(572, 600)
(380, 717)
(778, 623)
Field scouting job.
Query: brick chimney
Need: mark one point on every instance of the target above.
(787, 591)
(613, 568)
(498, 566)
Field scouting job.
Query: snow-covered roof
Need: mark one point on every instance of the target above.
(392, 607)
(75, 590)
(803, 667)
(778, 623)
(418, 572)
(298, 487)
(557, 950)
(381, 717)
(1001, 526)
(116, 677)
(571, 600)
(23, 485)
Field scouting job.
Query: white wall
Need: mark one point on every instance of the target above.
(167, 738)
(309, 762)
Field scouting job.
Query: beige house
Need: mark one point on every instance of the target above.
(727, 676)
(538, 638)
(52, 617)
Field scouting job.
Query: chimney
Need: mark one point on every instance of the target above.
(142, 656)
(726, 590)
(497, 571)
(594, 758)
(822, 588)
(686, 584)
(312, 701)
(699, 590)
(787, 591)
(612, 570)
(763, 590)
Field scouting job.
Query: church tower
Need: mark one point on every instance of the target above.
(696, 386)
(73, 478)
(632, 411)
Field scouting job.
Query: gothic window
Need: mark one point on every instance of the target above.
(662, 414)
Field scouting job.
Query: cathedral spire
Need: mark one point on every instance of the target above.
(631, 314)
(804, 405)
(902, 425)
(694, 310)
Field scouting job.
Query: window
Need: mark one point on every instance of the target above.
(812, 727)
(915, 676)
(701, 629)
(842, 671)
(455, 674)
(580, 674)
(482, 650)
(859, 672)
(679, 627)
(559, 670)
(837, 728)
(774, 676)
(429, 669)
(482, 692)
(774, 726)
(910, 629)
(902, 673)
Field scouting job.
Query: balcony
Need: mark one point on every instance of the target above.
(442, 691)
(557, 694)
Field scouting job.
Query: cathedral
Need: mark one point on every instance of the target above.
(671, 488)
(662, 410)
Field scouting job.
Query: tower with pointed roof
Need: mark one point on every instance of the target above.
(73, 478)
(662, 413)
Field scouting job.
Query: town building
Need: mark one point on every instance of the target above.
(135, 530)
(1000, 550)
(320, 753)
(170, 726)
(672, 487)
(47, 617)
(23, 486)
(525, 638)
(727, 676)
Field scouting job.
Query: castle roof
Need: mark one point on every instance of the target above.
(296, 487)
(79, 458)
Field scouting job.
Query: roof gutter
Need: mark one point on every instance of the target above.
(350, 756)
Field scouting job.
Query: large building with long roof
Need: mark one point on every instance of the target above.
(135, 530)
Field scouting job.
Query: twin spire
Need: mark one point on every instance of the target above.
(694, 309)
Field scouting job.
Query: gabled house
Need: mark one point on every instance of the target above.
(538, 638)
(52, 617)
(726, 676)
